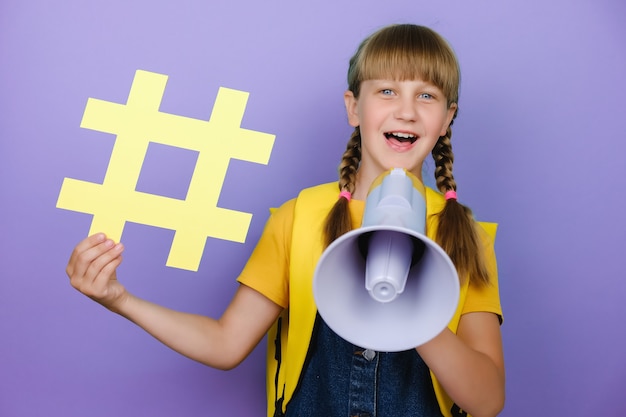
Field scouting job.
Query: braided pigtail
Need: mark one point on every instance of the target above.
(338, 221)
(457, 232)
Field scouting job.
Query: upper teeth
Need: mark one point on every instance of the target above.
(403, 135)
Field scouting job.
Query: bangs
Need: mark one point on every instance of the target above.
(406, 52)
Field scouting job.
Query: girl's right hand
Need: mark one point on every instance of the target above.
(92, 267)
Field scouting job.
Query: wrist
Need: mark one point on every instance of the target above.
(123, 304)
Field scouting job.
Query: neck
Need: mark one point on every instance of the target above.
(364, 181)
(362, 186)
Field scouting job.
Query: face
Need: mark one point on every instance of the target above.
(400, 123)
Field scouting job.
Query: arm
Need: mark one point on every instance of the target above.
(221, 343)
(470, 364)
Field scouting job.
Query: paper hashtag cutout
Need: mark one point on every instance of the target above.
(136, 124)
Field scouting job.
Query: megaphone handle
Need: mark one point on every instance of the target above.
(387, 264)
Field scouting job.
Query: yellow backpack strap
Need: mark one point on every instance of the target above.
(289, 337)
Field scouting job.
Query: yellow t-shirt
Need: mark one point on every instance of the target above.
(269, 272)
(267, 269)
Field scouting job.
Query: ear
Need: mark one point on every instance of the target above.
(351, 108)
(449, 117)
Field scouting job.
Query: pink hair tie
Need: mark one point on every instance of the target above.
(451, 194)
(346, 194)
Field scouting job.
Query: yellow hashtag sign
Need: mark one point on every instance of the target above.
(136, 124)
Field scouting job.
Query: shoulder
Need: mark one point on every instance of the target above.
(434, 201)
(320, 191)
(316, 201)
(310, 199)
(309, 196)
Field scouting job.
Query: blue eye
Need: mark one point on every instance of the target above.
(426, 96)
(386, 91)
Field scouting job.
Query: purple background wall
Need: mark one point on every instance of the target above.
(539, 143)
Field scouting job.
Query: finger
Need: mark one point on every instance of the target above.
(106, 252)
(99, 272)
(86, 264)
(81, 261)
(83, 246)
(101, 284)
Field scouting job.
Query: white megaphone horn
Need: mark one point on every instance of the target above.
(386, 286)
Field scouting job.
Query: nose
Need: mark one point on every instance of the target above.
(406, 109)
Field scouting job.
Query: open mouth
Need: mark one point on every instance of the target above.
(401, 137)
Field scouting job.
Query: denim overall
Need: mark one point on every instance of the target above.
(343, 380)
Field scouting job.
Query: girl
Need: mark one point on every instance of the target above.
(401, 100)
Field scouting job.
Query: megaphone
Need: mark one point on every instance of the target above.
(386, 286)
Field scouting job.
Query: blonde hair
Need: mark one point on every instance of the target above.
(410, 52)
